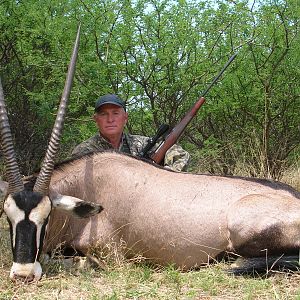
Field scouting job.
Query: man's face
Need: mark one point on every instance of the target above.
(111, 120)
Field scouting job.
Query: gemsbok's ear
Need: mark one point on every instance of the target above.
(3, 194)
(76, 206)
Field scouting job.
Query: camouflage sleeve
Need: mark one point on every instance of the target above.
(177, 158)
(93, 144)
(81, 149)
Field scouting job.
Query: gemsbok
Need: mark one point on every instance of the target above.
(28, 211)
(168, 217)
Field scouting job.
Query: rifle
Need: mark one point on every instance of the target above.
(176, 132)
(162, 130)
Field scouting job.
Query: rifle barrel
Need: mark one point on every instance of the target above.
(220, 74)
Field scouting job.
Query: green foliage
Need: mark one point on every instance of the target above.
(158, 56)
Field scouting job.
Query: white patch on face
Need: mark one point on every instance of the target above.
(38, 215)
(14, 214)
(41, 211)
(65, 202)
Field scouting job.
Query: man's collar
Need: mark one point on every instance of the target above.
(122, 140)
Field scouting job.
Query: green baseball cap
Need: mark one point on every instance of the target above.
(109, 99)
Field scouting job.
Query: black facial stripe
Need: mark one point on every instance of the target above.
(25, 244)
(11, 233)
(27, 200)
(43, 232)
(23, 235)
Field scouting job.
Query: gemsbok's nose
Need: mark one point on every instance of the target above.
(26, 272)
(21, 278)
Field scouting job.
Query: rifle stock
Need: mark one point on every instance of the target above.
(174, 135)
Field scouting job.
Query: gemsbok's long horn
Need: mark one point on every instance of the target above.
(42, 183)
(15, 183)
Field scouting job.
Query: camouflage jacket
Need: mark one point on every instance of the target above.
(176, 157)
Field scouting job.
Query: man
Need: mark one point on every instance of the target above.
(111, 118)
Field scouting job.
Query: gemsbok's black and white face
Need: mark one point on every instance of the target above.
(27, 214)
(28, 211)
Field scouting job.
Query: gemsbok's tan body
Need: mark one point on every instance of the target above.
(174, 218)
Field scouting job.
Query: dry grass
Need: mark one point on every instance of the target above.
(133, 279)
(292, 177)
